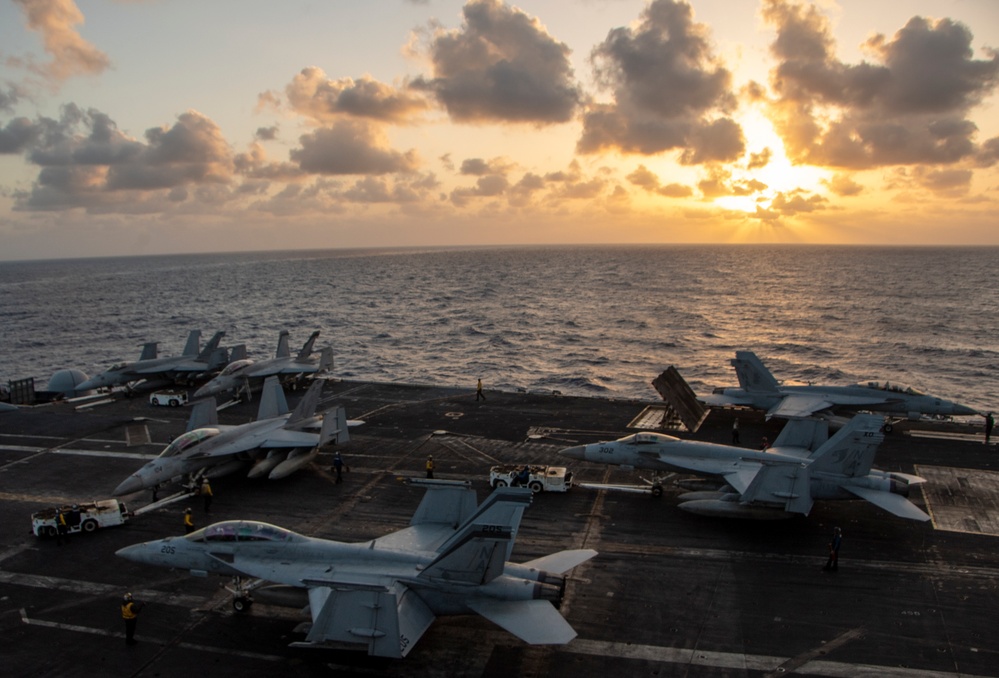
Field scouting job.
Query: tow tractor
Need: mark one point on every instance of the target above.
(174, 398)
(538, 478)
(86, 517)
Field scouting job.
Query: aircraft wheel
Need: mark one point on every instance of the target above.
(536, 486)
(89, 525)
(657, 490)
(241, 603)
(500, 483)
(887, 427)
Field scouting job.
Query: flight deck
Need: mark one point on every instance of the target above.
(669, 593)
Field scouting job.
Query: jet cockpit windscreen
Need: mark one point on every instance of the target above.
(892, 388)
(242, 531)
(187, 440)
(235, 366)
(647, 438)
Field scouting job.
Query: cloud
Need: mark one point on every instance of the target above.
(911, 108)
(501, 66)
(647, 180)
(350, 147)
(86, 161)
(670, 91)
(17, 135)
(266, 133)
(71, 54)
(843, 186)
(312, 94)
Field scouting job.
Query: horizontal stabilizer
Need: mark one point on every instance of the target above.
(561, 562)
(895, 504)
(799, 407)
(533, 621)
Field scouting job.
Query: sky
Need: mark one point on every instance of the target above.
(167, 126)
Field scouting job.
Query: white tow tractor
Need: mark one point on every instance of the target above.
(538, 478)
(171, 398)
(86, 517)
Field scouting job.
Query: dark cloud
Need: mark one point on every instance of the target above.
(670, 91)
(478, 167)
(266, 133)
(350, 147)
(647, 180)
(71, 55)
(759, 160)
(17, 135)
(312, 94)
(486, 186)
(502, 65)
(86, 161)
(9, 98)
(909, 109)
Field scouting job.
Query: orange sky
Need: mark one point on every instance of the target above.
(428, 122)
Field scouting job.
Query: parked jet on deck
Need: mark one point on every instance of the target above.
(758, 389)
(150, 367)
(237, 374)
(277, 444)
(385, 593)
(779, 482)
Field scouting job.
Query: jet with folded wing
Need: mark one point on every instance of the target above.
(385, 593)
(758, 389)
(238, 374)
(150, 367)
(277, 444)
(786, 479)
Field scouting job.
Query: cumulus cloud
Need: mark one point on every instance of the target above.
(312, 94)
(843, 186)
(71, 55)
(670, 91)
(647, 180)
(501, 66)
(910, 108)
(350, 147)
(86, 161)
(266, 133)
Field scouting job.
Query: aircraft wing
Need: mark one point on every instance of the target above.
(388, 619)
(726, 400)
(895, 504)
(797, 406)
(781, 483)
(533, 621)
(742, 477)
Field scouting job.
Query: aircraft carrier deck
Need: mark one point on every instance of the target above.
(669, 593)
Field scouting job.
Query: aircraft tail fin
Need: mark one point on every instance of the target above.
(203, 414)
(810, 434)
(477, 551)
(193, 346)
(150, 351)
(307, 405)
(237, 352)
(754, 377)
(307, 346)
(205, 355)
(272, 400)
(218, 358)
(851, 451)
(334, 427)
(448, 502)
(325, 360)
(282, 350)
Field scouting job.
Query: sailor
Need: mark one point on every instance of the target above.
(765, 444)
(338, 467)
(478, 391)
(60, 527)
(74, 516)
(833, 563)
(206, 493)
(188, 521)
(735, 431)
(990, 423)
(430, 466)
(129, 611)
(522, 477)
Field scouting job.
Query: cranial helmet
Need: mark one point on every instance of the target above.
(128, 596)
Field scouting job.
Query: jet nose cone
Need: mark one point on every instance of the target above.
(963, 411)
(131, 484)
(130, 552)
(88, 385)
(578, 452)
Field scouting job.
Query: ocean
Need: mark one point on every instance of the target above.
(583, 320)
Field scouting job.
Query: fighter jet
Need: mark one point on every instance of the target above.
(779, 482)
(758, 389)
(238, 373)
(385, 593)
(150, 367)
(275, 445)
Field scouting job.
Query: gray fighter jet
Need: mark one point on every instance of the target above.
(149, 367)
(758, 389)
(385, 593)
(237, 374)
(277, 444)
(779, 482)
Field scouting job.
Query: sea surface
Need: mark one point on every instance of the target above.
(595, 320)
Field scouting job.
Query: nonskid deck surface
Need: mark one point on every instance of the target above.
(669, 593)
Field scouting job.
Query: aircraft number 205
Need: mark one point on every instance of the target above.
(168, 549)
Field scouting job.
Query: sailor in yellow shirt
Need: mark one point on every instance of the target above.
(430, 466)
(129, 612)
(206, 493)
(188, 522)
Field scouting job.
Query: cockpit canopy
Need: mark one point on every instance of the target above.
(893, 388)
(243, 531)
(188, 440)
(647, 438)
(235, 366)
